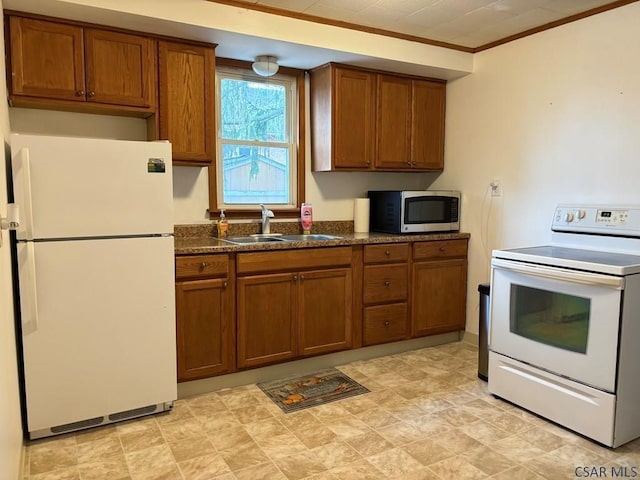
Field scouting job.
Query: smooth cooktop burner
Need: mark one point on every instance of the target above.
(576, 258)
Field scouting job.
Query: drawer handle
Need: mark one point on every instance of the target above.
(80, 93)
(387, 283)
(387, 253)
(203, 265)
(387, 323)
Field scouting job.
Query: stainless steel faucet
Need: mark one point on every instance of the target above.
(266, 215)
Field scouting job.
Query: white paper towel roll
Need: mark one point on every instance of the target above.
(361, 215)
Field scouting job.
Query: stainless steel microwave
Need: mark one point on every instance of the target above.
(415, 211)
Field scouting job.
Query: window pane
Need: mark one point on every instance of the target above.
(255, 174)
(253, 111)
(551, 318)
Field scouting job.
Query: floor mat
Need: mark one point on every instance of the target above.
(297, 393)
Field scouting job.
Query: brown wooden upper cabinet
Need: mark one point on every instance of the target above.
(393, 121)
(364, 120)
(427, 124)
(187, 92)
(343, 121)
(70, 64)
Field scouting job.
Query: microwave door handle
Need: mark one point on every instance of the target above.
(583, 278)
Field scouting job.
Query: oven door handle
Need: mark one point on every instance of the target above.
(584, 278)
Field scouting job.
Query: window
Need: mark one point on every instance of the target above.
(258, 144)
(552, 318)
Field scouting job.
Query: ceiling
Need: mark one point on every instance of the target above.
(469, 24)
(246, 29)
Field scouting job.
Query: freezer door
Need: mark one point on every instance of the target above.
(104, 338)
(81, 187)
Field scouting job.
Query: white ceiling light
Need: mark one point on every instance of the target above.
(265, 65)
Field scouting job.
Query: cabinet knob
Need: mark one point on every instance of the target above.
(387, 283)
(301, 278)
(295, 278)
(387, 323)
(409, 163)
(368, 162)
(203, 265)
(442, 249)
(80, 93)
(225, 284)
(387, 253)
(413, 164)
(92, 94)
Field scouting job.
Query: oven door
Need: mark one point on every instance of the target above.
(563, 321)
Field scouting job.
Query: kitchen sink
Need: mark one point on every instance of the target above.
(309, 237)
(270, 238)
(251, 239)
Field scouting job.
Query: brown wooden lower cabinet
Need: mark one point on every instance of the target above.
(438, 287)
(324, 311)
(287, 315)
(246, 310)
(266, 316)
(203, 346)
(205, 317)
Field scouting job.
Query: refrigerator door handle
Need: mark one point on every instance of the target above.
(29, 292)
(25, 163)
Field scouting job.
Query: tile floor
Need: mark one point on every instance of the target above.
(427, 417)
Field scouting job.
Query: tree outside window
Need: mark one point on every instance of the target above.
(256, 140)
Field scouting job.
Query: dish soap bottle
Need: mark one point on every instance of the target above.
(223, 225)
(306, 217)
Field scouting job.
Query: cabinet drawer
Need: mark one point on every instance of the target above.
(290, 260)
(385, 283)
(385, 323)
(440, 249)
(202, 266)
(386, 253)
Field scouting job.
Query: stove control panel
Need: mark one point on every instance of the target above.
(598, 219)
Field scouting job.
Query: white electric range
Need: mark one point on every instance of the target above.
(565, 321)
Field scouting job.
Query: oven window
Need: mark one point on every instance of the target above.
(551, 318)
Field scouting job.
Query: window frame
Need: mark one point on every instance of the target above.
(299, 147)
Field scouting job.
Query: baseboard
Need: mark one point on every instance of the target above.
(22, 473)
(469, 337)
(309, 365)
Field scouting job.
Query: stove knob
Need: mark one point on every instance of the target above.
(580, 214)
(568, 217)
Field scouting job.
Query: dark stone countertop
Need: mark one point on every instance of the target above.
(209, 244)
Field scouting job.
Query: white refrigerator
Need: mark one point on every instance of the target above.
(96, 280)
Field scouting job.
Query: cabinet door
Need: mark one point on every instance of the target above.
(120, 68)
(427, 127)
(354, 120)
(267, 312)
(47, 59)
(186, 109)
(393, 120)
(439, 292)
(204, 328)
(325, 311)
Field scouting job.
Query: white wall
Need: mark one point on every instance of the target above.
(10, 420)
(556, 117)
(330, 193)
